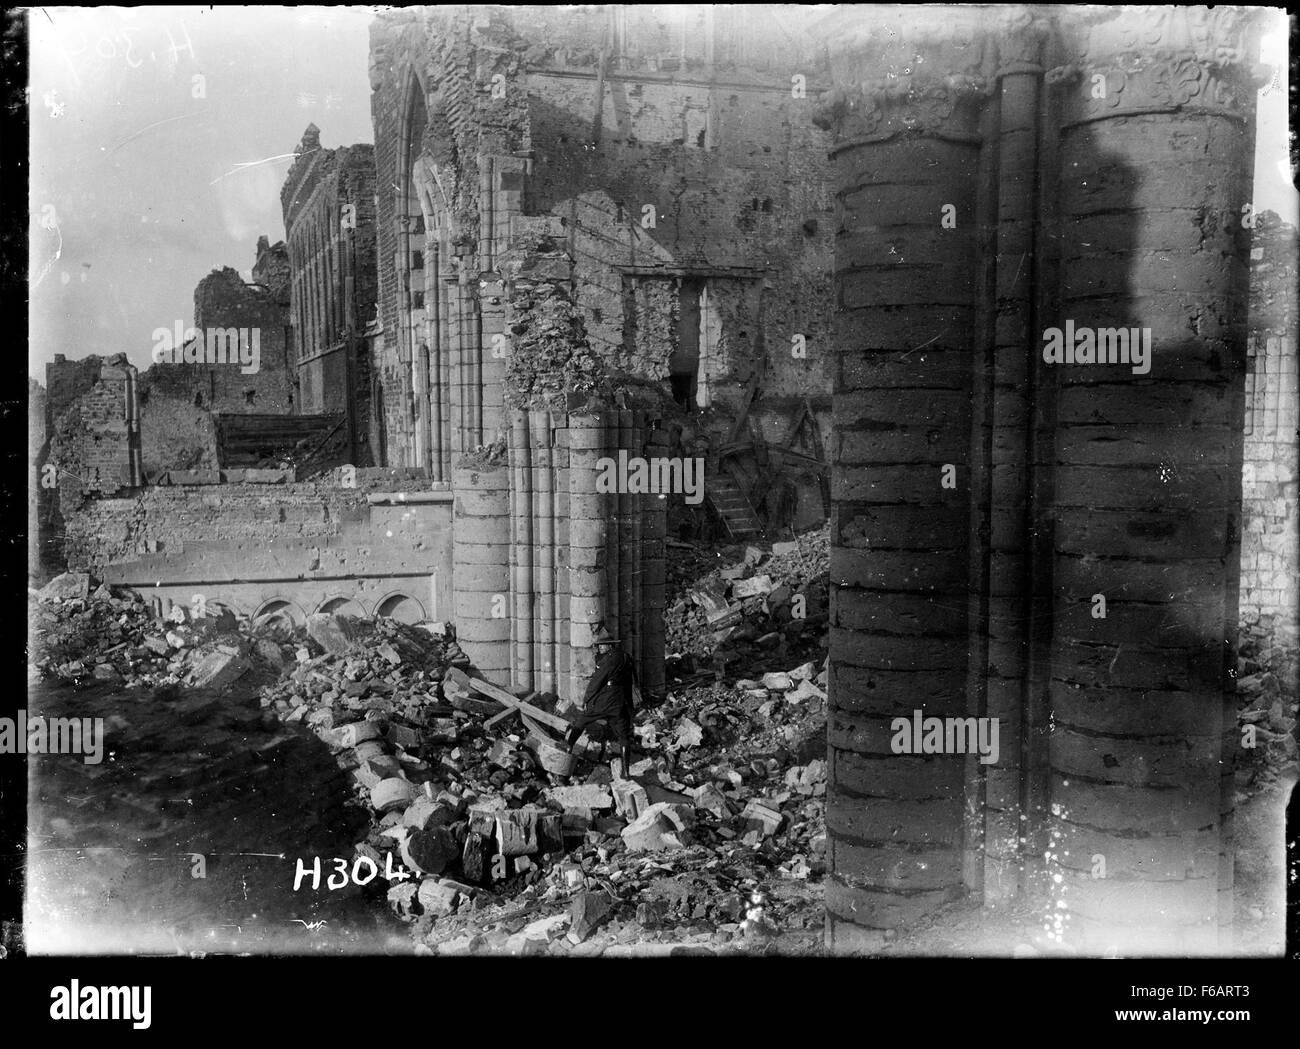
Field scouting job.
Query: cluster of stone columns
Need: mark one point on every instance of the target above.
(1049, 544)
(544, 556)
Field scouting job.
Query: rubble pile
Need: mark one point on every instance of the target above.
(1266, 676)
(757, 608)
(490, 833)
(111, 635)
(473, 794)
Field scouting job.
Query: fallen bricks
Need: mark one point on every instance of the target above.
(471, 817)
(753, 607)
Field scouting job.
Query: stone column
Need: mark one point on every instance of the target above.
(905, 111)
(654, 530)
(481, 568)
(1006, 415)
(589, 520)
(544, 679)
(1156, 152)
(522, 554)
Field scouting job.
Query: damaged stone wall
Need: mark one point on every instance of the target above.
(89, 409)
(380, 546)
(693, 189)
(177, 401)
(1270, 549)
(429, 85)
(329, 212)
(544, 557)
(697, 171)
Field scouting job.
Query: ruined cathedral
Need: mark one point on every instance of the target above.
(970, 286)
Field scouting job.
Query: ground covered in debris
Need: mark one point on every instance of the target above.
(465, 818)
(444, 812)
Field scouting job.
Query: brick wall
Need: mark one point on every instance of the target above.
(334, 279)
(1270, 558)
(86, 421)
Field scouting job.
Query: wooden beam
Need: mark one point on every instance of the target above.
(545, 717)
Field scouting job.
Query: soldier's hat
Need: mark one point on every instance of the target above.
(603, 637)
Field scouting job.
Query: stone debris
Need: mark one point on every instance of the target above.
(494, 853)
(756, 609)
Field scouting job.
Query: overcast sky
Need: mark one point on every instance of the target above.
(145, 180)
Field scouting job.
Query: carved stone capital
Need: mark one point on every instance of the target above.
(1022, 33)
(1132, 60)
(905, 70)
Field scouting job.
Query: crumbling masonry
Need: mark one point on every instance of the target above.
(593, 233)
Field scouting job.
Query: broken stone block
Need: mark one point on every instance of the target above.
(371, 748)
(401, 898)
(755, 586)
(336, 634)
(384, 767)
(717, 611)
(689, 734)
(661, 826)
(70, 586)
(439, 898)
(515, 831)
(781, 549)
(806, 672)
(777, 682)
(429, 851)
(475, 857)
(753, 555)
(403, 736)
(588, 912)
(630, 798)
(710, 799)
(217, 670)
(586, 796)
(805, 690)
(356, 733)
(392, 794)
(390, 654)
(425, 814)
(764, 818)
(157, 645)
(454, 802)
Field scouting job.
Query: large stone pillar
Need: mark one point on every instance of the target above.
(481, 567)
(1156, 116)
(910, 85)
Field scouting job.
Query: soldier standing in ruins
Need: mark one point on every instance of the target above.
(610, 698)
